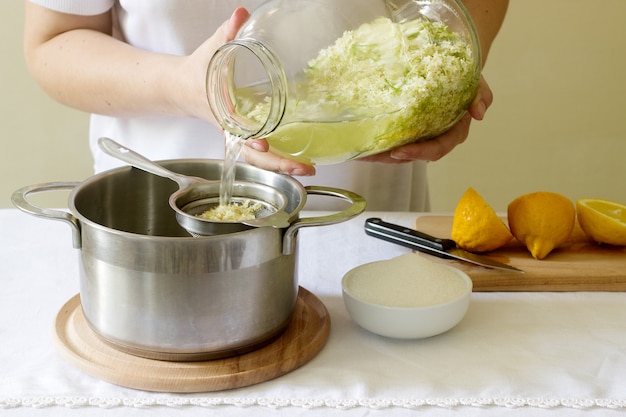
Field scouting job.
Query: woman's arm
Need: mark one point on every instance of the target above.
(78, 63)
(488, 16)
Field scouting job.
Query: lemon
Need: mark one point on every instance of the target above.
(542, 221)
(602, 220)
(476, 226)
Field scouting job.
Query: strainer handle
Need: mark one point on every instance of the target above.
(21, 202)
(116, 150)
(356, 207)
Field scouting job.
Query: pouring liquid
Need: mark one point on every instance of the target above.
(227, 209)
(232, 149)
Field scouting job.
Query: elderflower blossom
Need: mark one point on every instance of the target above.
(415, 78)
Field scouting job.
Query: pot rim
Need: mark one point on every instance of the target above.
(74, 217)
(218, 162)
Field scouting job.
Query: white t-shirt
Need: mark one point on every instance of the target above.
(178, 27)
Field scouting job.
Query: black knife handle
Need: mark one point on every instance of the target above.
(408, 237)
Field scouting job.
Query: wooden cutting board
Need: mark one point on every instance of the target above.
(579, 265)
(303, 339)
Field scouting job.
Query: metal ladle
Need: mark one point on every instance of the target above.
(196, 195)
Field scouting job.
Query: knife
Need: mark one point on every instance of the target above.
(443, 248)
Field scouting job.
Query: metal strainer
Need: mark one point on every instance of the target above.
(195, 195)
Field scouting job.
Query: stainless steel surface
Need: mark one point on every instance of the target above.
(118, 151)
(480, 260)
(149, 288)
(20, 201)
(443, 248)
(277, 210)
(196, 195)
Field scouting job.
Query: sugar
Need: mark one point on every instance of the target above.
(409, 280)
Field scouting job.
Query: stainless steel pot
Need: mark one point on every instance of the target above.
(150, 289)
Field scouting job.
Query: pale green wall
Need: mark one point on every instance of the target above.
(558, 122)
(42, 141)
(558, 71)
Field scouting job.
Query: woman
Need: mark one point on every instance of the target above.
(139, 68)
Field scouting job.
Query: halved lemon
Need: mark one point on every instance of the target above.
(476, 227)
(602, 220)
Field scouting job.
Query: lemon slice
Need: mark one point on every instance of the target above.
(602, 220)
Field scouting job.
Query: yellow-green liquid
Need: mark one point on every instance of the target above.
(326, 143)
(315, 135)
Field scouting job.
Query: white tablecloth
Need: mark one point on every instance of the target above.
(518, 353)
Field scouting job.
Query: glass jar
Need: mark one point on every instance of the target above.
(327, 81)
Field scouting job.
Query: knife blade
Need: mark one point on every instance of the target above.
(442, 248)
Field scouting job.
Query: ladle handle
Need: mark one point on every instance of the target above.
(116, 150)
(356, 207)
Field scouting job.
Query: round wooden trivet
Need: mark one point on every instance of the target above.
(303, 338)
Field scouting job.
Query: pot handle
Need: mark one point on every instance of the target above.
(21, 202)
(357, 207)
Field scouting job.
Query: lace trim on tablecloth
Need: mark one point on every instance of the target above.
(276, 403)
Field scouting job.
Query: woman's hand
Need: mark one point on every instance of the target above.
(436, 148)
(191, 98)
(256, 152)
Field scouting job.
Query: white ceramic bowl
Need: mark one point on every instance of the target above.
(406, 276)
